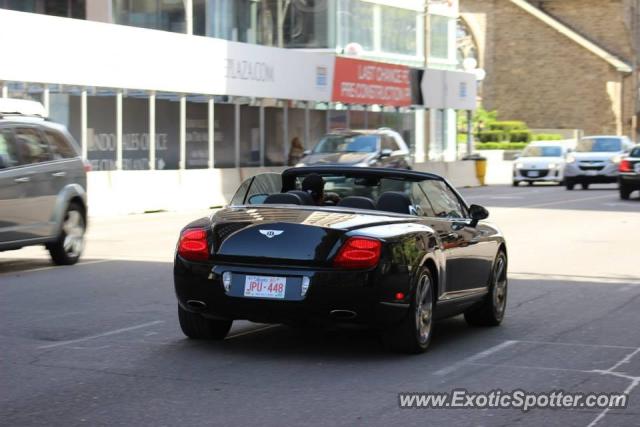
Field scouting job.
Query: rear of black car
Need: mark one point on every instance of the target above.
(629, 173)
(272, 270)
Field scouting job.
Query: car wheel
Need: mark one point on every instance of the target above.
(413, 334)
(515, 183)
(197, 327)
(530, 183)
(67, 248)
(625, 192)
(569, 184)
(491, 311)
(585, 185)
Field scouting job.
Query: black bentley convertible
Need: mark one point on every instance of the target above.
(393, 249)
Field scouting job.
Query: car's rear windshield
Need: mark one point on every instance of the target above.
(635, 152)
(599, 145)
(542, 151)
(347, 144)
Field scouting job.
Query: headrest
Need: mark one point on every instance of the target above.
(394, 201)
(282, 199)
(358, 202)
(304, 197)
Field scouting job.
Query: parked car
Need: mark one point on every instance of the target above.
(42, 183)
(369, 148)
(629, 169)
(595, 160)
(542, 161)
(400, 250)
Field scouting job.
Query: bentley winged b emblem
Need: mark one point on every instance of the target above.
(271, 233)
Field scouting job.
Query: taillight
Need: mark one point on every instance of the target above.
(358, 252)
(193, 245)
(625, 166)
(87, 166)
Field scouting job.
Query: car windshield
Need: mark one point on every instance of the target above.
(599, 145)
(542, 151)
(347, 144)
(635, 152)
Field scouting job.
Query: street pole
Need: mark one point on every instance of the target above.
(469, 132)
(427, 51)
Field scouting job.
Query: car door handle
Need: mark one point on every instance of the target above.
(59, 174)
(22, 179)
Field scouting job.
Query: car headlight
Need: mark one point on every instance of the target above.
(552, 165)
(616, 159)
(519, 165)
(571, 159)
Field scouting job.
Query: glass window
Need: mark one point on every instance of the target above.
(599, 145)
(306, 24)
(31, 146)
(439, 47)
(135, 132)
(276, 153)
(167, 131)
(8, 150)
(224, 136)
(444, 202)
(197, 149)
(168, 15)
(60, 147)
(101, 131)
(249, 136)
(542, 151)
(635, 152)
(398, 30)
(347, 144)
(420, 202)
(355, 23)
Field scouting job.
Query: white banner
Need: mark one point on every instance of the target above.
(46, 49)
(449, 89)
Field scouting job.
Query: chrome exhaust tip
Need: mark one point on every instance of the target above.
(196, 305)
(342, 314)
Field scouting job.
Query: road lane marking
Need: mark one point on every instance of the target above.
(475, 357)
(629, 281)
(251, 331)
(566, 201)
(104, 334)
(53, 267)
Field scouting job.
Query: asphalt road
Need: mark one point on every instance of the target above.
(99, 343)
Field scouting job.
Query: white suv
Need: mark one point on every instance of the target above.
(595, 160)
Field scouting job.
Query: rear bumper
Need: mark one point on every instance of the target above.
(630, 180)
(367, 295)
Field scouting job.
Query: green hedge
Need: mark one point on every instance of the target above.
(520, 136)
(501, 146)
(508, 126)
(547, 137)
(493, 135)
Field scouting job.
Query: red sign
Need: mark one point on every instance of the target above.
(366, 82)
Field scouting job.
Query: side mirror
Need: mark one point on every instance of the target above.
(306, 152)
(387, 152)
(478, 213)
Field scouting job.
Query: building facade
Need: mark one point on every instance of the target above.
(561, 64)
(129, 123)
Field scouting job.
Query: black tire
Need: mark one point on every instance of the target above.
(569, 184)
(68, 247)
(530, 183)
(585, 185)
(625, 192)
(197, 327)
(490, 311)
(413, 334)
(515, 183)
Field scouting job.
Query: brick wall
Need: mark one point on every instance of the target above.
(540, 76)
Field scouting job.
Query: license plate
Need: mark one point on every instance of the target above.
(592, 173)
(265, 287)
(534, 174)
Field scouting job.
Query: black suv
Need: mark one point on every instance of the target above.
(629, 173)
(42, 183)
